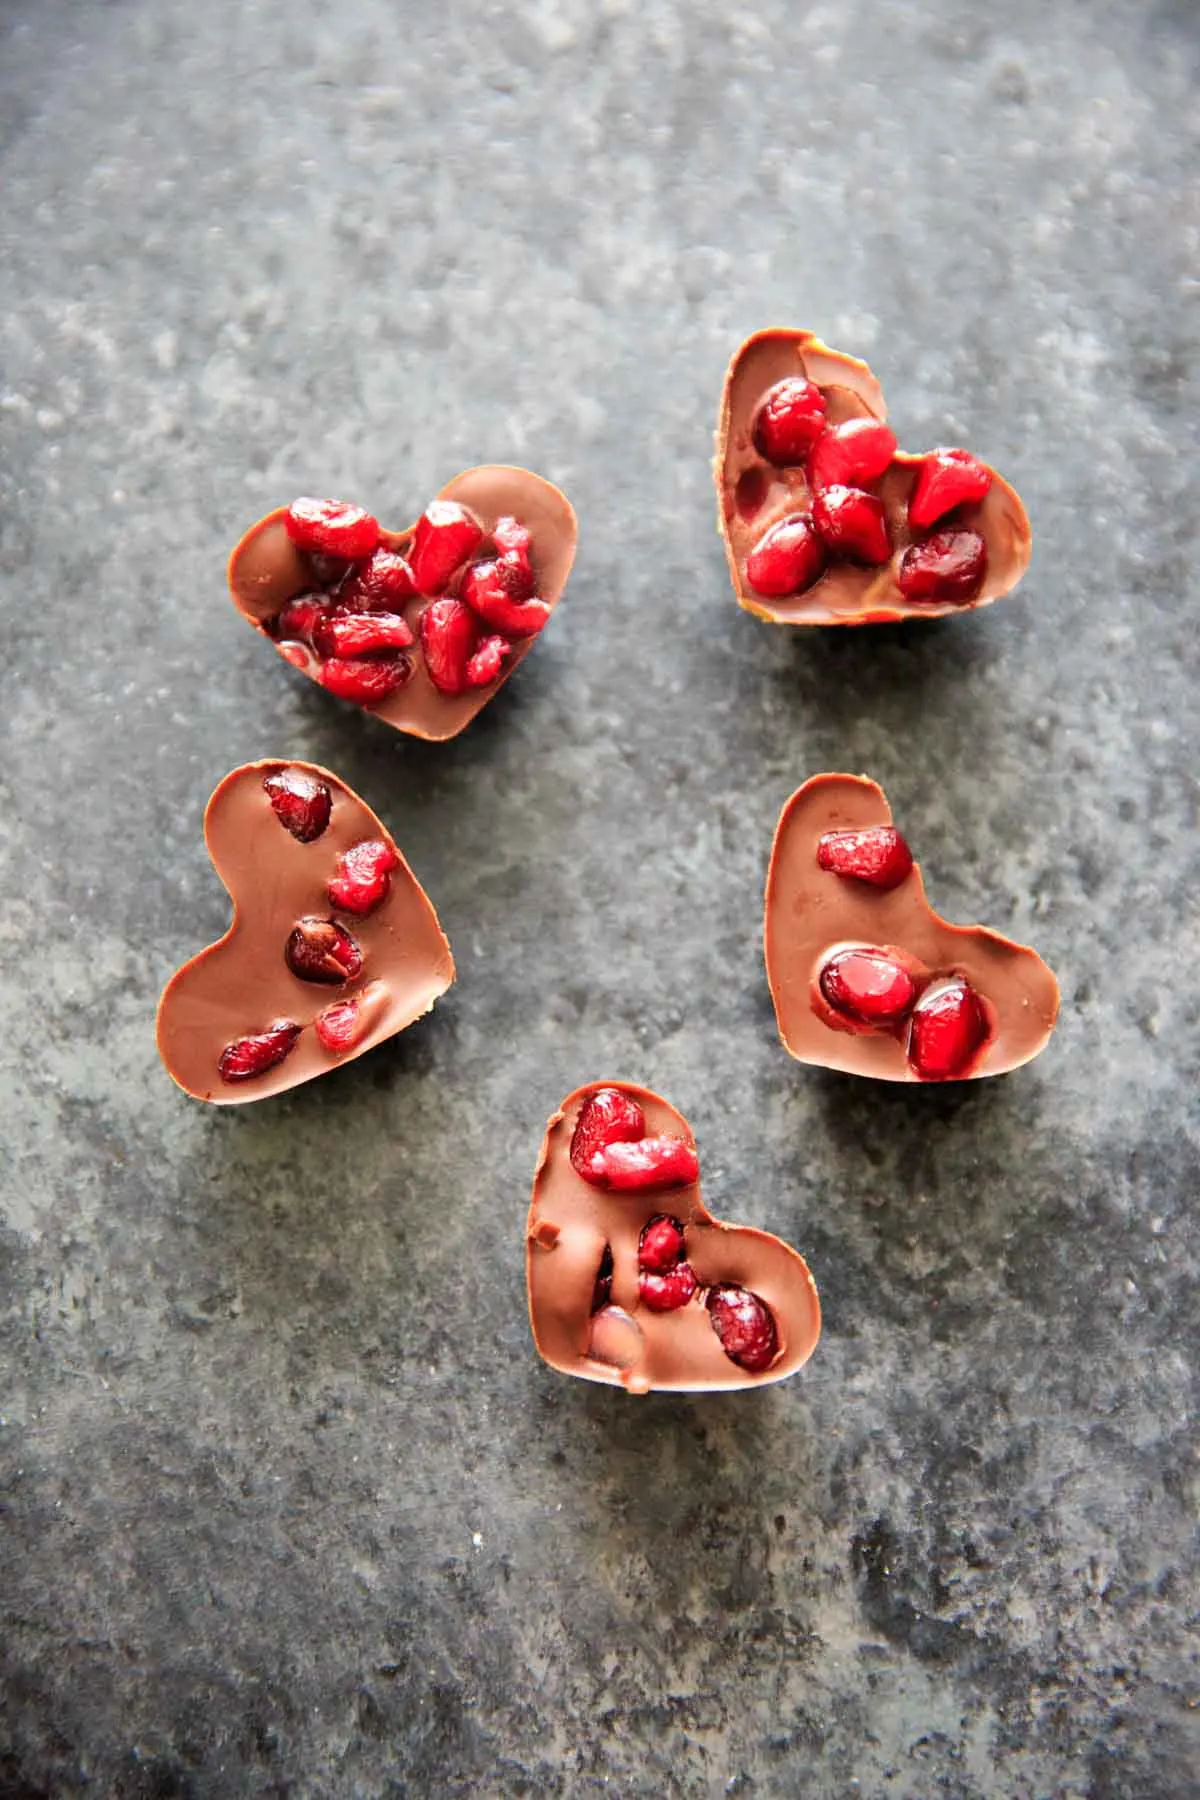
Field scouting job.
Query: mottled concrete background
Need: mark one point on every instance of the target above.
(289, 1505)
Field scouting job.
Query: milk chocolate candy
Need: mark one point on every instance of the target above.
(334, 944)
(632, 1282)
(825, 522)
(864, 974)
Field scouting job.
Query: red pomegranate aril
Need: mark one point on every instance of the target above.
(668, 1291)
(790, 420)
(608, 1117)
(950, 565)
(852, 523)
(851, 454)
(447, 534)
(301, 802)
(250, 1056)
(947, 1031)
(379, 583)
(345, 1024)
(349, 634)
(786, 559)
(366, 680)
(487, 663)
(301, 616)
(602, 1286)
(332, 528)
(948, 478)
(323, 950)
(496, 591)
(362, 880)
(513, 541)
(877, 855)
(651, 1162)
(448, 637)
(745, 1327)
(661, 1244)
(868, 986)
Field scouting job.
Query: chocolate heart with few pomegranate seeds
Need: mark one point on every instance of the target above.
(334, 944)
(825, 522)
(631, 1280)
(345, 601)
(864, 974)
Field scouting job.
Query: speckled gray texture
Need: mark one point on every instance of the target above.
(289, 1505)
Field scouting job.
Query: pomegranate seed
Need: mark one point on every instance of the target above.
(667, 1292)
(446, 535)
(877, 855)
(496, 590)
(378, 583)
(362, 880)
(852, 523)
(296, 654)
(302, 803)
(745, 1327)
(602, 1287)
(948, 1029)
(513, 542)
(651, 1162)
(790, 420)
(301, 616)
(346, 1023)
(948, 478)
(448, 635)
(607, 1117)
(323, 950)
(661, 1244)
(332, 528)
(950, 565)
(868, 986)
(851, 454)
(786, 559)
(359, 633)
(487, 662)
(368, 682)
(250, 1056)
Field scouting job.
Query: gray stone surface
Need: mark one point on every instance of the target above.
(289, 1507)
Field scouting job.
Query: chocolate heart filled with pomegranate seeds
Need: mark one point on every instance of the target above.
(631, 1280)
(334, 944)
(420, 626)
(825, 522)
(864, 974)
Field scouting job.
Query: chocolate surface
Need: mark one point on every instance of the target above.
(811, 912)
(266, 570)
(753, 494)
(571, 1221)
(240, 985)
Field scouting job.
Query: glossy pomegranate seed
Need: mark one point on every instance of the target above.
(661, 1244)
(790, 420)
(877, 854)
(668, 1291)
(852, 454)
(495, 590)
(602, 1287)
(868, 986)
(852, 523)
(948, 1029)
(950, 565)
(302, 803)
(745, 1327)
(448, 638)
(367, 681)
(322, 950)
(332, 527)
(487, 662)
(378, 584)
(345, 1024)
(786, 559)
(301, 616)
(250, 1056)
(446, 535)
(651, 1162)
(607, 1117)
(358, 634)
(513, 541)
(363, 877)
(948, 478)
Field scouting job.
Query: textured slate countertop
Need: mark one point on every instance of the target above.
(289, 1507)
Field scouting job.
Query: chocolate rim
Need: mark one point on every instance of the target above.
(265, 570)
(847, 594)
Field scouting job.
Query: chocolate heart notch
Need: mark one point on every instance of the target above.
(825, 522)
(865, 976)
(291, 991)
(631, 1281)
(494, 550)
